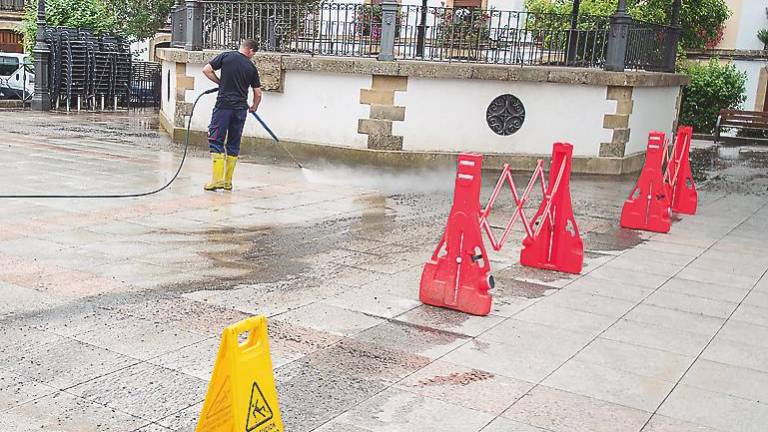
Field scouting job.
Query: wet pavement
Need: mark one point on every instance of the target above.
(111, 310)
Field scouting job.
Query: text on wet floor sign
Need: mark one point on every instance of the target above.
(241, 395)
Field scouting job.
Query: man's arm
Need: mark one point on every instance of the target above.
(211, 74)
(256, 99)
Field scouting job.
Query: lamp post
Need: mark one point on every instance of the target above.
(41, 100)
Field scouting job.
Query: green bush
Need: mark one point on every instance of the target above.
(701, 21)
(714, 86)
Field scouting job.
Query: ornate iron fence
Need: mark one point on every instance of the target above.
(410, 32)
(648, 46)
(434, 33)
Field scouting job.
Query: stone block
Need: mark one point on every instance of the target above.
(615, 121)
(619, 93)
(390, 83)
(181, 68)
(382, 142)
(612, 149)
(490, 72)
(377, 97)
(374, 127)
(185, 82)
(620, 136)
(384, 112)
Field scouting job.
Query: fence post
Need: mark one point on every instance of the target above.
(388, 26)
(41, 100)
(573, 34)
(673, 37)
(177, 25)
(194, 27)
(617, 39)
(271, 34)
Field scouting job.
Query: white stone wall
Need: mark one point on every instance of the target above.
(168, 102)
(654, 109)
(449, 115)
(752, 20)
(752, 68)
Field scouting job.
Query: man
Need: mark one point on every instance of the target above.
(238, 74)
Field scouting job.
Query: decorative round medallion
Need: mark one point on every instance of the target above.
(505, 115)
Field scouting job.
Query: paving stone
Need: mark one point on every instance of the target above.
(565, 318)
(196, 360)
(715, 410)
(67, 413)
(734, 381)
(184, 420)
(140, 339)
(500, 424)
(737, 354)
(366, 360)
(719, 278)
(67, 362)
(16, 390)
(461, 386)
(611, 385)
(144, 390)
(422, 341)
(660, 423)
(655, 336)
(399, 410)
(449, 320)
(648, 362)
(329, 319)
(693, 304)
(591, 303)
(703, 289)
(310, 397)
(373, 303)
(560, 411)
(745, 333)
(752, 314)
(633, 277)
(608, 288)
(532, 337)
(678, 320)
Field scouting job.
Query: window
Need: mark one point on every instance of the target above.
(8, 65)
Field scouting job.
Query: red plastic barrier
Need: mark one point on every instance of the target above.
(459, 279)
(647, 207)
(555, 244)
(680, 185)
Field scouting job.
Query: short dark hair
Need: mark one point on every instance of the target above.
(251, 44)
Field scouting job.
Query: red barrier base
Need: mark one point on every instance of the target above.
(555, 244)
(680, 185)
(457, 276)
(647, 207)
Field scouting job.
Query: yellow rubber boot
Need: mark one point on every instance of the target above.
(217, 180)
(231, 162)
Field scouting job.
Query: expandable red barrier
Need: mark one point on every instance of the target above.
(459, 278)
(679, 179)
(556, 244)
(647, 207)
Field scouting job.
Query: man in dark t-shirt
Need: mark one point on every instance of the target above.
(238, 74)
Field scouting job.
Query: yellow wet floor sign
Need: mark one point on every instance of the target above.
(241, 395)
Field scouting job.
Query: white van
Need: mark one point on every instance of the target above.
(16, 76)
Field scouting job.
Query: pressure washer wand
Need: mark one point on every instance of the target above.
(274, 137)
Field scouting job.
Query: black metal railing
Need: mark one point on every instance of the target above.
(501, 37)
(434, 33)
(413, 32)
(648, 45)
(12, 5)
(145, 84)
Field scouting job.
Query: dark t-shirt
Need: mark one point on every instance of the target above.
(237, 74)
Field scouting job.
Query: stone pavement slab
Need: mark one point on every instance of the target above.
(111, 311)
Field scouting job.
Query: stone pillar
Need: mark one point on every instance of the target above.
(388, 28)
(194, 27)
(41, 100)
(617, 39)
(178, 23)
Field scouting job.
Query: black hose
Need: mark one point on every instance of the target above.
(133, 195)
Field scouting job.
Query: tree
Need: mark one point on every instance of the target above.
(134, 19)
(87, 14)
(139, 19)
(701, 21)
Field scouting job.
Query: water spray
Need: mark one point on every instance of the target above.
(274, 137)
